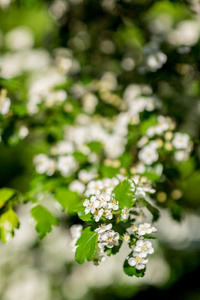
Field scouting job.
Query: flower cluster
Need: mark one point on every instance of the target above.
(161, 138)
(106, 238)
(142, 247)
(101, 206)
(104, 209)
(139, 256)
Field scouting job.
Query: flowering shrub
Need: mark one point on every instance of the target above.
(104, 145)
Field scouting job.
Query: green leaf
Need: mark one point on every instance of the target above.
(20, 109)
(44, 220)
(68, 200)
(132, 271)
(124, 193)
(176, 211)
(86, 245)
(5, 195)
(95, 146)
(186, 168)
(149, 236)
(148, 123)
(80, 157)
(153, 210)
(108, 171)
(8, 222)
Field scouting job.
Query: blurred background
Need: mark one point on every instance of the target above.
(136, 41)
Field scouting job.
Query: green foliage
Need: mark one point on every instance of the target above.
(8, 222)
(108, 171)
(68, 200)
(5, 195)
(95, 146)
(147, 123)
(86, 245)
(44, 220)
(124, 194)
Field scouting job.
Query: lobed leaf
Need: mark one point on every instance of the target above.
(5, 195)
(68, 200)
(44, 220)
(124, 194)
(86, 245)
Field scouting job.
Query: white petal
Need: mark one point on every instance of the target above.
(96, 204)
(150, 250)
(141, 232)
(140, 266)
(86, 202)
(144, 261)
(109, 226)
(143, 254)
(137, 249)
(140, 243)
(87, 210)
(148, 244)
(132, 262)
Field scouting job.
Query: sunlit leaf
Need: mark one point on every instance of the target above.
(86, 245)
(44, 220)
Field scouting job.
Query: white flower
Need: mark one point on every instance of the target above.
(148, 155)
(77, 186)
(64, 147)
(109, 184)
(19, 38)
(94, 187)
(103, 200)
(42, 163)
(91, 205)
(155, 61)
(137, 261)
(142, 141)
(107, 214)
(181, 140)
(103, 228)
(75, 232)
(23, 132)
(164, 124)
(67, 165)
(99, 256)
(140, 193)
(132, 185)
(51, 168)
(90, 102)
(86, 176)
(146, 228)
(4, 105)
(113, 204)
(98, 214)
(110, 239)
(144, 248)
(181, 155)
(125, 213)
